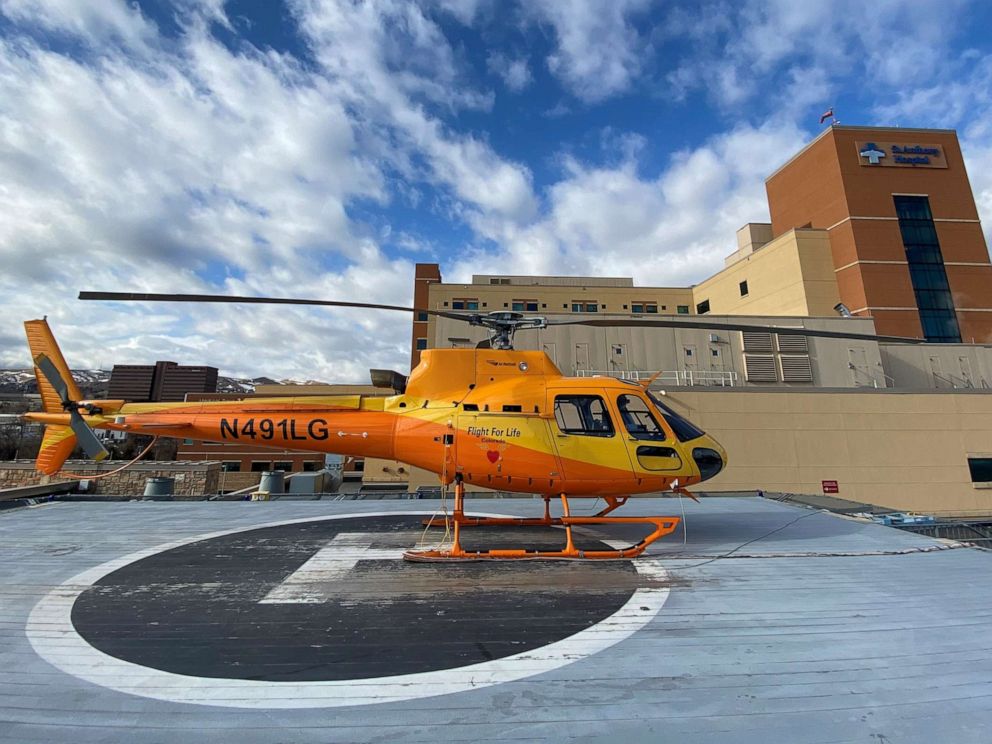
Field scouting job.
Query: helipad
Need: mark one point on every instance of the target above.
(296, 621)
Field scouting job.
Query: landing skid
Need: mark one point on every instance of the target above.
(662, 526)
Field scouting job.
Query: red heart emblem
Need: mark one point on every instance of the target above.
(493, 455)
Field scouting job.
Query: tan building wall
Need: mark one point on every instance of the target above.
(385, 471)
(791, 275)
(905, 451)
(552, 295)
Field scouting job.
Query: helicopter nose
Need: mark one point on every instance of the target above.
(709, 461)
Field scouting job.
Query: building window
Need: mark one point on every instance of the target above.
(521, 306)
(578, 306)
(421, 317)
(583, 414)
(926, 270)
(703, 307)
(981, 469)
(311, 467)
(259, 466)
(643, 307)
(231, 466)
(465, 303)
(683, 309)
(421, 344)
(743, 287)
(498, 280)
(284, 465)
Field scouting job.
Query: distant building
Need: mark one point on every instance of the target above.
(162, 381)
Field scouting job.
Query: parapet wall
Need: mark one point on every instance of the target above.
(192, 479)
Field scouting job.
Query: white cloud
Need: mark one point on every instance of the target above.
(179, 165)
(515, 73)
(747, 48)
(599, 51)
(670, 230)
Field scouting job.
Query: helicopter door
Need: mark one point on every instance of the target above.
(589, 444)
(649, 446)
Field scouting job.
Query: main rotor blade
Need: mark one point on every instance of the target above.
(721, 326)
(151, 297)
(91, 445)
(54, 377)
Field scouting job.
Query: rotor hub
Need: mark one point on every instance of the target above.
(502, 325)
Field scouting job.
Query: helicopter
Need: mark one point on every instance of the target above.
(490, 416)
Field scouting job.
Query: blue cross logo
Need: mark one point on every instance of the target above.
(872, 153)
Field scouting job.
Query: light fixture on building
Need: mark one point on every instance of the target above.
(842, 310)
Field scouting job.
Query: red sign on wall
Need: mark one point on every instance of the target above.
(830, 487)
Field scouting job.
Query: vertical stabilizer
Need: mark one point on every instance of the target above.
(56, 446)
(41, 341)
(59, 441)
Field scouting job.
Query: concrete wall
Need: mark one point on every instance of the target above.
(835, 363)
(938, 365)
(192, 479)
(905, 451)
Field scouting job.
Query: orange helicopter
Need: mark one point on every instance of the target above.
(490, 416)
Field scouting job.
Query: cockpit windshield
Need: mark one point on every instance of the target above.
(683, 429)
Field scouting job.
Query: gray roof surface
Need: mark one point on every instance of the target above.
(823, 629)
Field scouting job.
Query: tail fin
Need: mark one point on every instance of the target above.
(56, 446)
(59, 441)
(41, 341)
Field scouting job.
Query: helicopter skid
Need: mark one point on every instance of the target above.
(662, 526)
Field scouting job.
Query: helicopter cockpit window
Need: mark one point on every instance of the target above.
(637, 419)
(583, 414)
(683, 429)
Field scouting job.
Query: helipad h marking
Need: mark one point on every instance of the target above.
(309, 583)
(51, 632)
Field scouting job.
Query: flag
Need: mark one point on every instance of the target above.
(828, 114)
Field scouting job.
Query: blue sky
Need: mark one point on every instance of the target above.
(319, 149)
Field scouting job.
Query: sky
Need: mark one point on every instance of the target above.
(320, 149)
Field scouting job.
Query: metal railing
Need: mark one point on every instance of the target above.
(680, 377)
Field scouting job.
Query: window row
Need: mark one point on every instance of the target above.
(576, 306)
(260, 466)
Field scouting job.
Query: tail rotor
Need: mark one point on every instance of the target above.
(91, 445)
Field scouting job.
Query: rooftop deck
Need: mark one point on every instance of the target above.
(295, 621)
